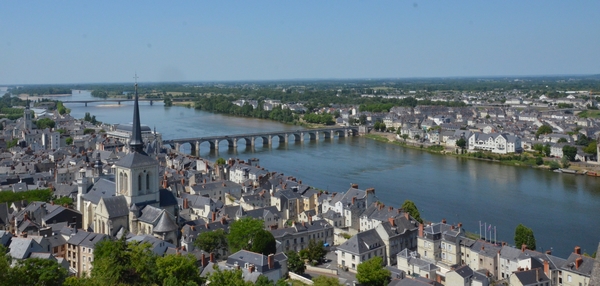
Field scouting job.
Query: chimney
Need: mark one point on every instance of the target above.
(392, 221)
(251, 268)
(420, 230)
(549, 252)
(185, 203)
(406, 215)
(271, 261)
(444, 221)
(523, 247)
(24, 234)
(183, 181)
(355, 186)
(310, 219)
(390, 208)
(206, 225)
(165, 185)
(214, 216)
(452, 227)
(578, 262)
(223, 220)
(547, 268)
(212, 257)
(460, 225)
(353, 200)
(537, 275)
(370, 190)
(203, 260)
(483, 247)
(577, 250)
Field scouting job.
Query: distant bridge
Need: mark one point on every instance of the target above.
(266, 138)
(119, 100)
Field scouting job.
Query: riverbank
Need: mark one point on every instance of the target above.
(524, 159)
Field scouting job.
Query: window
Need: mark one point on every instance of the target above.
(148, 181)
(569, 278)
(139, 182)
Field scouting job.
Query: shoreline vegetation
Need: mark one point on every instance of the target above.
(525, 159)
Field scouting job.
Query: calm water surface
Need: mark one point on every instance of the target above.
(561, 209)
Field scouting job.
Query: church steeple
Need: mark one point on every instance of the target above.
(136, 144)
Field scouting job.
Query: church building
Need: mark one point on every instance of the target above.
(131, 201)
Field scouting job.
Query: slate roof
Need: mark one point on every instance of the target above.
(532, 276)
(584, 269)
(116, 206)
(20, 247)
(167, 198)
(135, 159)
(165, 224)
(362, 242)
(150, 214)
(464, 271)
(103, 188)
(260, 261)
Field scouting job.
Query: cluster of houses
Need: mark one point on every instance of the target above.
(123, 182)
(499, 129)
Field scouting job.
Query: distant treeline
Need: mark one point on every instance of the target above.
(223, 104)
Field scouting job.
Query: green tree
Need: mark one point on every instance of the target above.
(554, 165)
(88, 131)
(524, 235)
(591, 148)
(565, 162)
(38, 271)
(562, 140)
(69, 140)
(547, 150)
(569, 152)
(404, 137)
(242, 232)
(182, 268)
(410, 207)
(315, 252)
(372, 272)
(462, 143)
(168, 101)
(264, 242)
(12, 143)
(539, 161)
(377, 126)
(362, 119)
(227, 277)
(220, 161)
(326, 281)
(99, 93)
(119, 262)
(45, 123)
(544, 129)
(295, 263)
(212, 241)
(5, 262)
(263, 281)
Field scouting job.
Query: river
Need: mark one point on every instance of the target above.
(560, 208)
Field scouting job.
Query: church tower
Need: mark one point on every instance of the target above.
(137, 173)
(27, 117)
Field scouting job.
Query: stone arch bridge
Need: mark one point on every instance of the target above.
(266, 138)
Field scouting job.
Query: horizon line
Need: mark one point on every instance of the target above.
(321, 79)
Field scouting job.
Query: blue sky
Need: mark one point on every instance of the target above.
(108, 41)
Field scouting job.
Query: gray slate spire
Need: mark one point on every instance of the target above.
(136, 144)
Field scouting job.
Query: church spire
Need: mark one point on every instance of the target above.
(136, 144)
